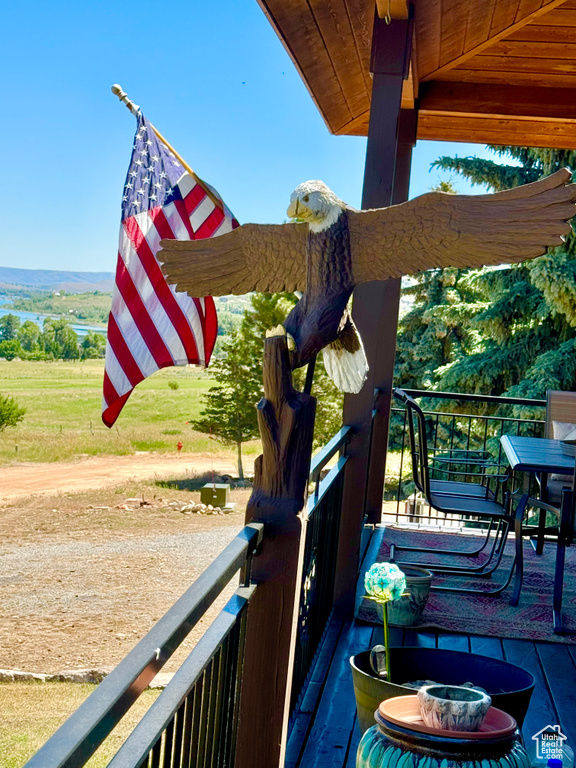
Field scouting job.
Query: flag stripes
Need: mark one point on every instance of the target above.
(151, 325)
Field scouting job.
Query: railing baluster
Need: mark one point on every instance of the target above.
(156, 753)
(217, 719)
(187, 730)
(178, 737)
(168, 745)
(196, 723)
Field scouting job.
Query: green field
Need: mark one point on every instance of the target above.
(63, 407)
(31, 712)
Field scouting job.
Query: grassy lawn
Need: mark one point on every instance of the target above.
(63, 407)
(30, 713)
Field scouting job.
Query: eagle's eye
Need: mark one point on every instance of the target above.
(306, 198)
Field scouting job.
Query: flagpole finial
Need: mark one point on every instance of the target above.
(123, 96)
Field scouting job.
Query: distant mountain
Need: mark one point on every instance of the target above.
(56, 280)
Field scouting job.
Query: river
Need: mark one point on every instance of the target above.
(38, 317)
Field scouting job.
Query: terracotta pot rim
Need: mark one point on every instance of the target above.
(411, 706)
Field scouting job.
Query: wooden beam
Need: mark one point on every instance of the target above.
(458, 60)
(536, 79)
(480, 129)
(375, 309)
(471, 99)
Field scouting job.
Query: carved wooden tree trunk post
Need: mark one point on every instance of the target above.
(286, 420)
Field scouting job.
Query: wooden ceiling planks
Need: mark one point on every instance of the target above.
(298, 30)
(454, 22)
(479, 21)
(501, 10)
(473, 45)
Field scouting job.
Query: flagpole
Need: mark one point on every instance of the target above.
(135, 109)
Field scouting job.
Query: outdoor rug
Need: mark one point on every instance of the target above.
(531, 619)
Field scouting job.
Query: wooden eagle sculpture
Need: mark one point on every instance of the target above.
(331, 248)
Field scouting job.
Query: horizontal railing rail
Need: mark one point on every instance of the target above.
(464, 397)
(83, 732)
(448, 431)
(332, 447)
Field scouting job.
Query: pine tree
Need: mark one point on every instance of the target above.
(524, 315)
(229, 411)
(435, 331)
(10, 412)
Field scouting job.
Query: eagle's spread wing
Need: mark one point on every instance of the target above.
(254, 257)
(443, 230)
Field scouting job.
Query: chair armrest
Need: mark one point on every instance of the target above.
(483, 475)
(517, 495)
(465, 458)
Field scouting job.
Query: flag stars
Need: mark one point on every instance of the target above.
(139, 162)
(153, 197)
(155, 158)
(133, 174)
(149, 142)
(163, 175)
(143, 152)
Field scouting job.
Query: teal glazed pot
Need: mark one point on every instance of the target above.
(389, 744)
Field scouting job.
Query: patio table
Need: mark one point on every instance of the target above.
(537, 455)
(542, 455)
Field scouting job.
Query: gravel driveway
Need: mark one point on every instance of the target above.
(84, 603)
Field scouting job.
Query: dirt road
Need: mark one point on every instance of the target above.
(20, 480)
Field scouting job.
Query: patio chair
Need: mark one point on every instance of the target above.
(560, 416)
(444, 463)
(446, 499)
(566, 517)
(560, 421)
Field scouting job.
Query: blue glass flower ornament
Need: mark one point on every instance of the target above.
(384, 582)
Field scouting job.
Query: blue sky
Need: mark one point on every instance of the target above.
(213, 78)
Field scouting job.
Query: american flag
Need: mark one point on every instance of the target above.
(151, 325)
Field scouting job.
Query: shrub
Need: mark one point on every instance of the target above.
(10, 412)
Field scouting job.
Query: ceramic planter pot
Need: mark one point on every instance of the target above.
(510, 687)
(409, 609)
(401, 739)
(453, 708)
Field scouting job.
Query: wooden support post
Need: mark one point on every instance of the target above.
(391, 136)
(286, 421)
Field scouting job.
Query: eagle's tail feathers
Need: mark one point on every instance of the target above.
(348, 370)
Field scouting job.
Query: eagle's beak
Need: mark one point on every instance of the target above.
(292, 211)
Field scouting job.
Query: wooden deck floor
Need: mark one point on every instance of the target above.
(325, 732)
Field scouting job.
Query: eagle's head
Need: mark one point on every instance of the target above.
(316, 204)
